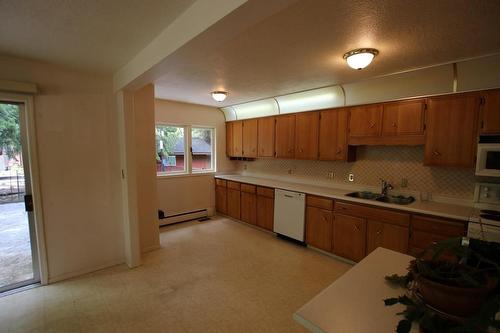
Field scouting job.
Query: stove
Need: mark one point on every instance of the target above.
(485, 220)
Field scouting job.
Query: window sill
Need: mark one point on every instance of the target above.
(183, 175)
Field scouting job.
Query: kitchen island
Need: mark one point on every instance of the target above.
(354, 302)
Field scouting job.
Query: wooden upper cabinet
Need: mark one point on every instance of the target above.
(265, 137)
(229, 139)
(306, 135)
(249, 138)
(333, 135)
(451, 137)
(403, 118)
(237, 142)
(365, 120)
(285, 136)
(490, 112)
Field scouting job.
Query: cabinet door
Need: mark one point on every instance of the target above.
(349, 237)
(221, 199)
(390, 236)
(319, 228)
(237, 132)
(249, 207)
(403, 118)
(490, 113)
(451, 137)
(306, 135)
(285, 136)
(233, 203)
(333, 135)
(250, 138)
(365, 120)
(265, 212)
(265, 137)
(229, 139)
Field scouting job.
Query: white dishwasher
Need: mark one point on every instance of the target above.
(289, 214)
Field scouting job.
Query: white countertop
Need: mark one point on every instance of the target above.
(354, 302)
(447, 210)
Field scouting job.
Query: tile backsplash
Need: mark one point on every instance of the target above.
(372, 163)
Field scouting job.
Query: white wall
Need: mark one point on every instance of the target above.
(187, 193)
(79, 166)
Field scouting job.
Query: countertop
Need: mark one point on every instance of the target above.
(354, 302)
(452, 211)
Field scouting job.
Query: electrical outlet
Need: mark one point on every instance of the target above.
(290, 171)
(331, 175)
(404, 182)
(245, 166)
(350, 177)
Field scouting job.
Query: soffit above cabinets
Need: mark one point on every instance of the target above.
(477, 74)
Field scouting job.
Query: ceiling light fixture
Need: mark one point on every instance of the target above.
(360, 58)
(219, 96)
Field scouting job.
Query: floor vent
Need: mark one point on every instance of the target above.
(187, 216)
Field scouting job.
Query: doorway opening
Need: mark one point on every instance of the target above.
(19, 264)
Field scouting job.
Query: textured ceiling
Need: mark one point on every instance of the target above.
(96, 35)
(255, 53)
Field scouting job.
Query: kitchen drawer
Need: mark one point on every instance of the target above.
(265, 191)
(248, 188)
(233, 185)
(319, 202)
(220, 182)
(446, 228)
(378, 214)
(422, 239)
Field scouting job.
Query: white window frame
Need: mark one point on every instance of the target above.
(212, 169)
(188, 156)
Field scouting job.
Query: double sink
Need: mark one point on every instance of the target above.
(393, 199)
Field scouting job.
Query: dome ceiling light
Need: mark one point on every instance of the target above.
(360, 58)
(219, 96)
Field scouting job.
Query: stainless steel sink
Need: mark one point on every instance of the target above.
(364, 195)
(398, 200)
(393, 199)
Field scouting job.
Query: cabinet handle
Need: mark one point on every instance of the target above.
(357, 227)
(339, 150)
(394, 125)
(301, 150)
(379, 232)
(372, 125)
(436, 153)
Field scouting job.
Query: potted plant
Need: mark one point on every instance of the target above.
(453, 287)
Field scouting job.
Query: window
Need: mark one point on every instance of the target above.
(202, 149)
(184, 149)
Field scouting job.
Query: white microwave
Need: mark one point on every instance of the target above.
(488, 159)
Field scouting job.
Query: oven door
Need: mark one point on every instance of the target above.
(488, 160)
(487, 232)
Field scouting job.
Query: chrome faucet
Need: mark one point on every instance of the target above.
(385, 187)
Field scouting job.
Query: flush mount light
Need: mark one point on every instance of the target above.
(360, 58)
(219, 96)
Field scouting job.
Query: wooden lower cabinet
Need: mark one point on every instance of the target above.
(221, 199)
(249, 207)
(349, 237)
(233, 203)
(265, 212)
(390, 236)
(427, 230)
(319, 228)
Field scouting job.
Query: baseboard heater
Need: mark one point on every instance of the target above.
(181, 217)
